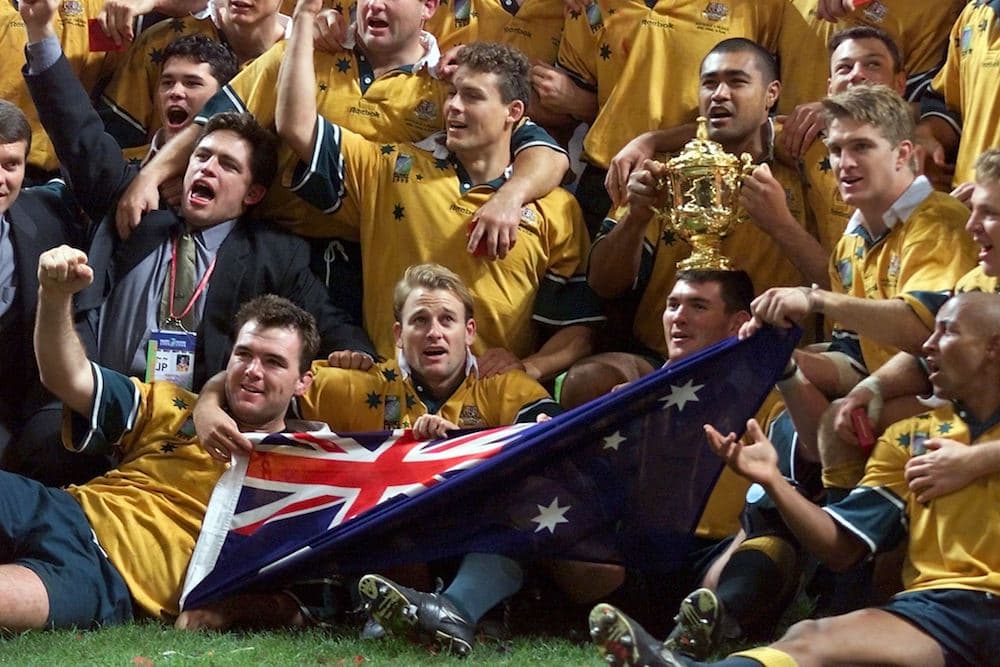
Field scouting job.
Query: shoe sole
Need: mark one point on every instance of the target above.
(388, 606)
(693, 619)
(391, 609)
(614, 636)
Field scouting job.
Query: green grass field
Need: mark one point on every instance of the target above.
(149, 644)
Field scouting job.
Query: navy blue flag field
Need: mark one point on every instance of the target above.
(621, 479)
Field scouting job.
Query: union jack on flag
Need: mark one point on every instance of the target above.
(623, 478)
(296, 473)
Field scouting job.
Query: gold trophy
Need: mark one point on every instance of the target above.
(703, 183)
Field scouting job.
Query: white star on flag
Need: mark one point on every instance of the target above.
(549, 517)
(612, 441)
(681, 396)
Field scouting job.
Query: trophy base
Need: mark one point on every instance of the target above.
(707, 258)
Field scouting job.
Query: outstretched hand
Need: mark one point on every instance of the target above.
(757, 461)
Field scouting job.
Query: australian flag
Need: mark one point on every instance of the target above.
(622, 479)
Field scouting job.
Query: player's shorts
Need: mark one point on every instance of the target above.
(45, 530)
(965, 623)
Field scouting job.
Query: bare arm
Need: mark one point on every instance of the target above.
(558, 353)
(143, 193)
(763, 197)
(295, 111)
(894, 385)
(615, 259)
(637, 151)
(901, 376)
(806, 405)
(891, 322)
(179, 7)
(816, 529)
(62, 361)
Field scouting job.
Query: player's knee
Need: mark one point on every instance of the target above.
(804, 640)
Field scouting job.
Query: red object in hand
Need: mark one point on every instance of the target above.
(861, 3)
(863, 429)
(480, 250)
(97, 40)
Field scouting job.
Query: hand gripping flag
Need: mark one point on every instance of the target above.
(621, 479)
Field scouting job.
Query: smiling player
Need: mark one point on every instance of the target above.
(902, 252)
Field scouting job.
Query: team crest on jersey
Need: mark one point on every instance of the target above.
(716, 11)
(594, 18)
(893, 272)
(876, 12)
(185, 435)
(72, 8)
(845, 269)
(187, 430)
(401, 172)
(392, 415)
(965, 41)
(470, 417)
(528, 217)
(463, 10)
(918, 446)
(426, 110)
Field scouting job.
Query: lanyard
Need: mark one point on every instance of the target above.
(197, 290)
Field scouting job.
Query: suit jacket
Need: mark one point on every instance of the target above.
(255, 258)
(42, 217)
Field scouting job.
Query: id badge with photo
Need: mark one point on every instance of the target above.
(170, 357)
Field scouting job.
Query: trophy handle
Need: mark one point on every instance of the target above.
(663, 183)
(746, 168)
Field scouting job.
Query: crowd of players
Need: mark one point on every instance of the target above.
(373, 194)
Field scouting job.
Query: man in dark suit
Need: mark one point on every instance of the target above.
(234, 258)
(32, 220)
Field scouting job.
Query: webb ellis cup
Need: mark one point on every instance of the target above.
(702, 184)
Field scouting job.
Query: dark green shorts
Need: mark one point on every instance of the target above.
(45, 530)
